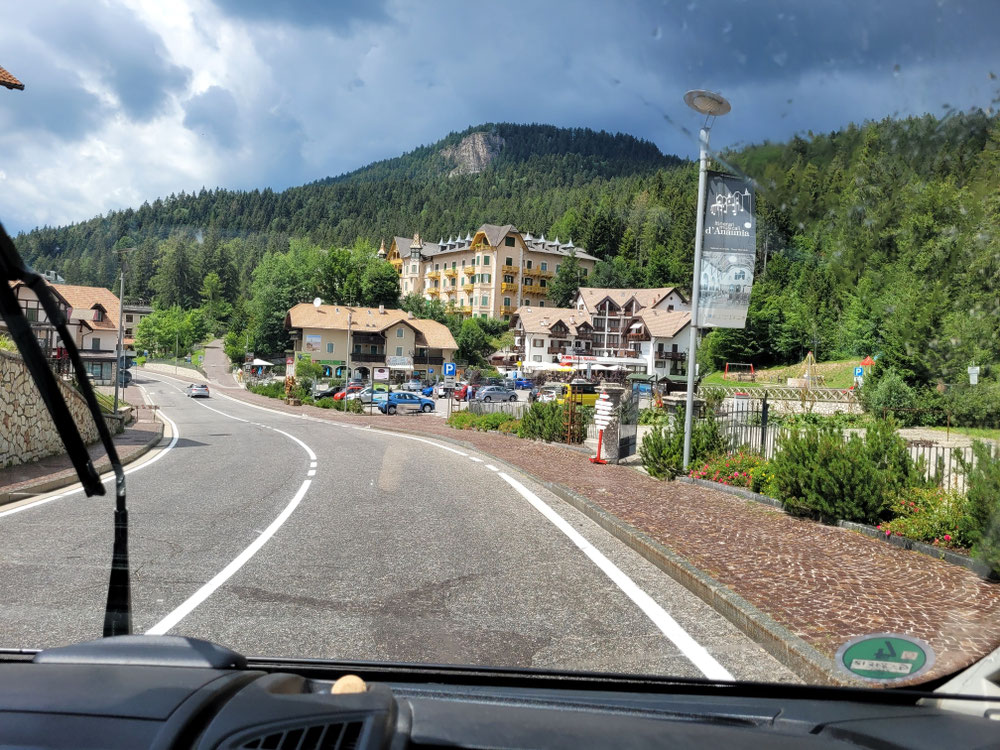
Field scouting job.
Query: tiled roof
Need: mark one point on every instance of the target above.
(6, 79)
(430, 333)
(663, 324)
(494, 236)
(83, 298)
(592, 296)
(541, 319)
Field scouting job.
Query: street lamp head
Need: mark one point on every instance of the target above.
(707, 103)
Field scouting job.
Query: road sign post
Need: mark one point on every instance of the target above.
(603, 414)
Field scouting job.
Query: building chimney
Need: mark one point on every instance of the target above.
(409, 315)
(381, 309)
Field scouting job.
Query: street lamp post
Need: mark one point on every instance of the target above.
(711, 105)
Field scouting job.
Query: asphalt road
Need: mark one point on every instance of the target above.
(283, 536)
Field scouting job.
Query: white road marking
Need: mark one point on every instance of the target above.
(311, 473)
(227, 572)
(108, 476)
(491, 467)
(695, 652)
(477, 460)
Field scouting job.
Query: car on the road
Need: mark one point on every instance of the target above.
(495, 393)
(197, 390)
(402, 400)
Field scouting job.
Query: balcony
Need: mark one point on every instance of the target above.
(368, 338)
(508, 287)
(679, 356)
(428, 360)
(546, 274)
(638, 336)
(451, 272)
(513, 270)
(584, 336)
(507, 309)
(531, 272)
(469, 270)
(467, 287)
(627, 353)
(397, 263)
(432, 292)
(450, 290)
(556, 350)
(466, 309)
(433, 275)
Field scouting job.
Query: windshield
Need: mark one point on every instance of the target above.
(721, 278)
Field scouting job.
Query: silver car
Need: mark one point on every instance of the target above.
(197, 390)
(496, 393)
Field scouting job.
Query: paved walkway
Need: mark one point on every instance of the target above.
(825, 584)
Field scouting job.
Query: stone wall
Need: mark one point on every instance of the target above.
(27, 433)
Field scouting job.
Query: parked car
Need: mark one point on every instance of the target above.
(441, 390)
(413, 385)
(428, 391)
(402, 400)
(344, 392)
(523, 383)
(197, 390)
(548, 393)
(467, 392)
(581, 391)
(495, 393)
(365, 395)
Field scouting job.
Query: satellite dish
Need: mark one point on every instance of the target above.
(317, 302)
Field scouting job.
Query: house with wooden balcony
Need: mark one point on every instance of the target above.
(660, 339)
(612, 310)
(353, 340)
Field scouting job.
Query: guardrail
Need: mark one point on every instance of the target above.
(784, 393)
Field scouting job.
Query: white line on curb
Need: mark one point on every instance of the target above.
(694, 651)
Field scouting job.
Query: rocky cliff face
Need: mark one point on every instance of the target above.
(473, 153)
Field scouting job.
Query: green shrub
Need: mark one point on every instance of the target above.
(463, 420)
(139, 361)
(662, 448)
(271, 390)
(492, 421)
(984, 502)
(543, 422)
(354, 406)
(325, 403)
(933, 515)
(890, 396)
(817, 471)
(654, 416)
(974, 405)
(510, 426)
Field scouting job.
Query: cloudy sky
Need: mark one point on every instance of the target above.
(129, 100)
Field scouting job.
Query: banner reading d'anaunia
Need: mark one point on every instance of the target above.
(729, 248)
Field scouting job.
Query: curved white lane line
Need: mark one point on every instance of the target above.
(694, 651)
(199, 596)
(109, 476)
(227, 572)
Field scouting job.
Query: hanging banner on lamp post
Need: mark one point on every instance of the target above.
(729, 249)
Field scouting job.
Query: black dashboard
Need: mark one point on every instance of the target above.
(172, 692)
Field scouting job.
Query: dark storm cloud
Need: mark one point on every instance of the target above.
(333, 14)
(214, 114)
(117, 48)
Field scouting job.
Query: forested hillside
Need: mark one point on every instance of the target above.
(879, 239)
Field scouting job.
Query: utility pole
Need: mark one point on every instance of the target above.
(121, 342)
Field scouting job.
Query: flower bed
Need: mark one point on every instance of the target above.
(737, 470)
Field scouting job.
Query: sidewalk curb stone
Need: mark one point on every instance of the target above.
(101, 466)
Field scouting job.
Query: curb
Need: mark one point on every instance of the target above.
(938, 553)
(782, 644)
(102, 466)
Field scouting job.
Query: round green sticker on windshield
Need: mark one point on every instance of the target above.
(885, 657)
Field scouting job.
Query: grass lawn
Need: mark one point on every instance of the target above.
(836, 374)
(975, 432)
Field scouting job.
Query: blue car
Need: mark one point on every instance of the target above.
(523, 383)
(428, 391)
(404, 400)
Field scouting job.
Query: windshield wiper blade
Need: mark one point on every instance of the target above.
(118, 611)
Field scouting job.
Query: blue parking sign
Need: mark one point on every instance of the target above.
(449, 368)
(430, 370)
(859, 372)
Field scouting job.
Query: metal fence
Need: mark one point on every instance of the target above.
(745, 425)
(516, 409)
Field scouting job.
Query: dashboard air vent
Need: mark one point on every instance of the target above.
(342, 736)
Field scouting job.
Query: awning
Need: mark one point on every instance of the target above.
(641, 377)
(262, 363)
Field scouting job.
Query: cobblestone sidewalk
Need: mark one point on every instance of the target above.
(824, 584)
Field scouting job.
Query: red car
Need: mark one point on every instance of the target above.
(463, 392)
(354, 388)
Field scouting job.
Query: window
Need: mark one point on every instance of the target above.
(485, 278)
(527, 264)
(329, 348)
(486, 260)
(476, 261)
(31, 312)
(542, 282)
(399, 351)
(529, 282)
(545, 266)
(437, 266)
(508, 241)
(508, 279)
(536, 357)
(486, 300)
(453, 281)
(98, 314)
(357, 348)
(374, 349)
(128, 318)
(413, 268)
(537, 342)
(509, 261)
(541, 303)
(557, 267)
(95, 344)
(670, 308)
(128, 331)
(399, 332)
(453, 264)
(585, 272)
(506, 301)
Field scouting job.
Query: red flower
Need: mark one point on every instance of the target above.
(947, 537)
